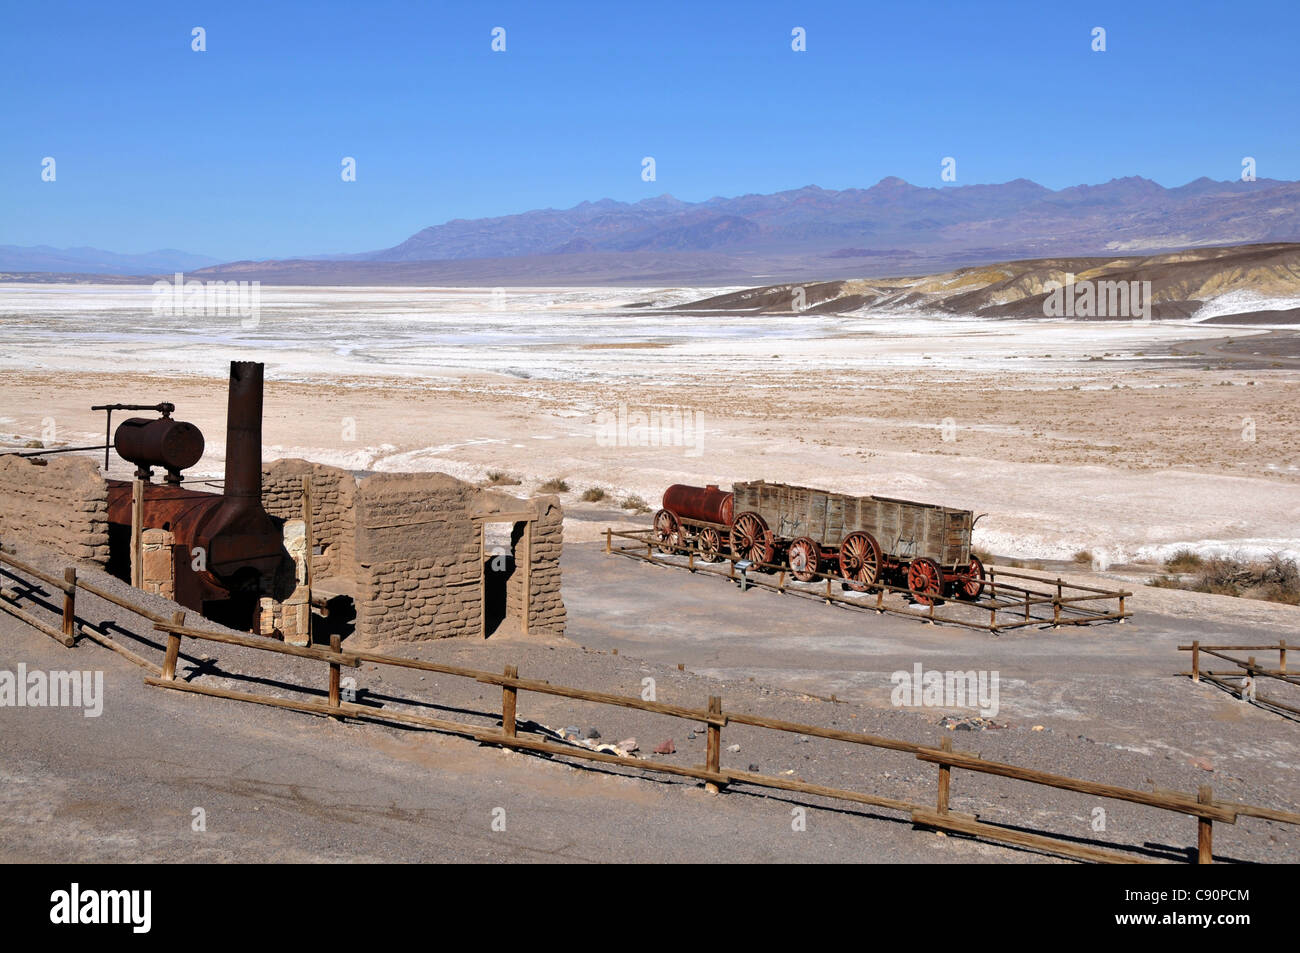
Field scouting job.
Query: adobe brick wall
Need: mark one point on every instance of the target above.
(158, 573)
(417, 558)
(62, 504)
(333, 493)
(547, 615)
(418, 568)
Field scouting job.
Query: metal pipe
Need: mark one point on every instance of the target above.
(41, 453)
(244, 431)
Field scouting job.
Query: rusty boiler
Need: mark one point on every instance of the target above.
(227, 548)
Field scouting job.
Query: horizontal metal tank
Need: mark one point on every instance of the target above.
(159, 442)
(707, 504)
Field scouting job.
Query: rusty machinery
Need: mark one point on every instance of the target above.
(226, 547)
(698, 516)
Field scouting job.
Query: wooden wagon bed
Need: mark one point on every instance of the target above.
(870, 537)
(905, 529)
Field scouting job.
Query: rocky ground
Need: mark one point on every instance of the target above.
(276, 785)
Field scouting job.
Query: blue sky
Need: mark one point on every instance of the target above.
(235, 152)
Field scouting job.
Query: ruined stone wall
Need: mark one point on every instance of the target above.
(418, 573)
(333, 495)
(547, 615)
(61, 503)
(158, 572)
(419, 565)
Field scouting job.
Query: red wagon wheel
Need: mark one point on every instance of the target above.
(860, 560)
(667, 530)
(925, 579)
(972, 584)
(804, 558)
(751, 539)
(709, 543)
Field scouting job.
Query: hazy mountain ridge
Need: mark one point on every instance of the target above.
(801, 235)
(1011, 218)
(45, 258)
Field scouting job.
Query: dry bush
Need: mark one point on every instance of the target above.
(1184, 560)
(1274, 579)
(554, 485)
(593, 494)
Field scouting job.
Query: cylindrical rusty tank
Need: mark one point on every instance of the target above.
(708, 504)
(159, 442)
(224, 546)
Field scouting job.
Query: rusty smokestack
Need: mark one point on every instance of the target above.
(244, 431)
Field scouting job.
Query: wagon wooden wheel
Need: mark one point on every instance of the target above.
(751, 539)
(971, 585)
(667, 530)
(804, 558)
(709, 543)
(925, 579)
(860, 560)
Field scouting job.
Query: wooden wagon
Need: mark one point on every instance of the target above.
(869, 538)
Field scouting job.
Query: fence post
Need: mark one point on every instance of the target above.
(1281, 656)
(714, 747)
(1204, 829)
(309, 539)
(1196, 660)
(173, 648)
(336, 644)
(945, 776)
(509, 698)
(70, 602)
(137, 533)
(609, 539)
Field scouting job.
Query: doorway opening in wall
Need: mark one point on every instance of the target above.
(500, 602)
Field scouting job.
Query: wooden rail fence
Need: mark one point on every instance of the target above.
(1009, 605)
(1247, 670)
(717, 777)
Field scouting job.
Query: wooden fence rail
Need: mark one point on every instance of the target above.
(998, 599)
(1245, 689)
(1202, 807)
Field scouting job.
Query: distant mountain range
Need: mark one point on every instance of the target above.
(1012, 219)
(804, 233)
(96, 261)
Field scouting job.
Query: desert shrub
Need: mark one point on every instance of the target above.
(554, 485)
(1274, 579)
(635, 503)
(1083, 557)
(1184, 560)
(499, 478)
(593, 494)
